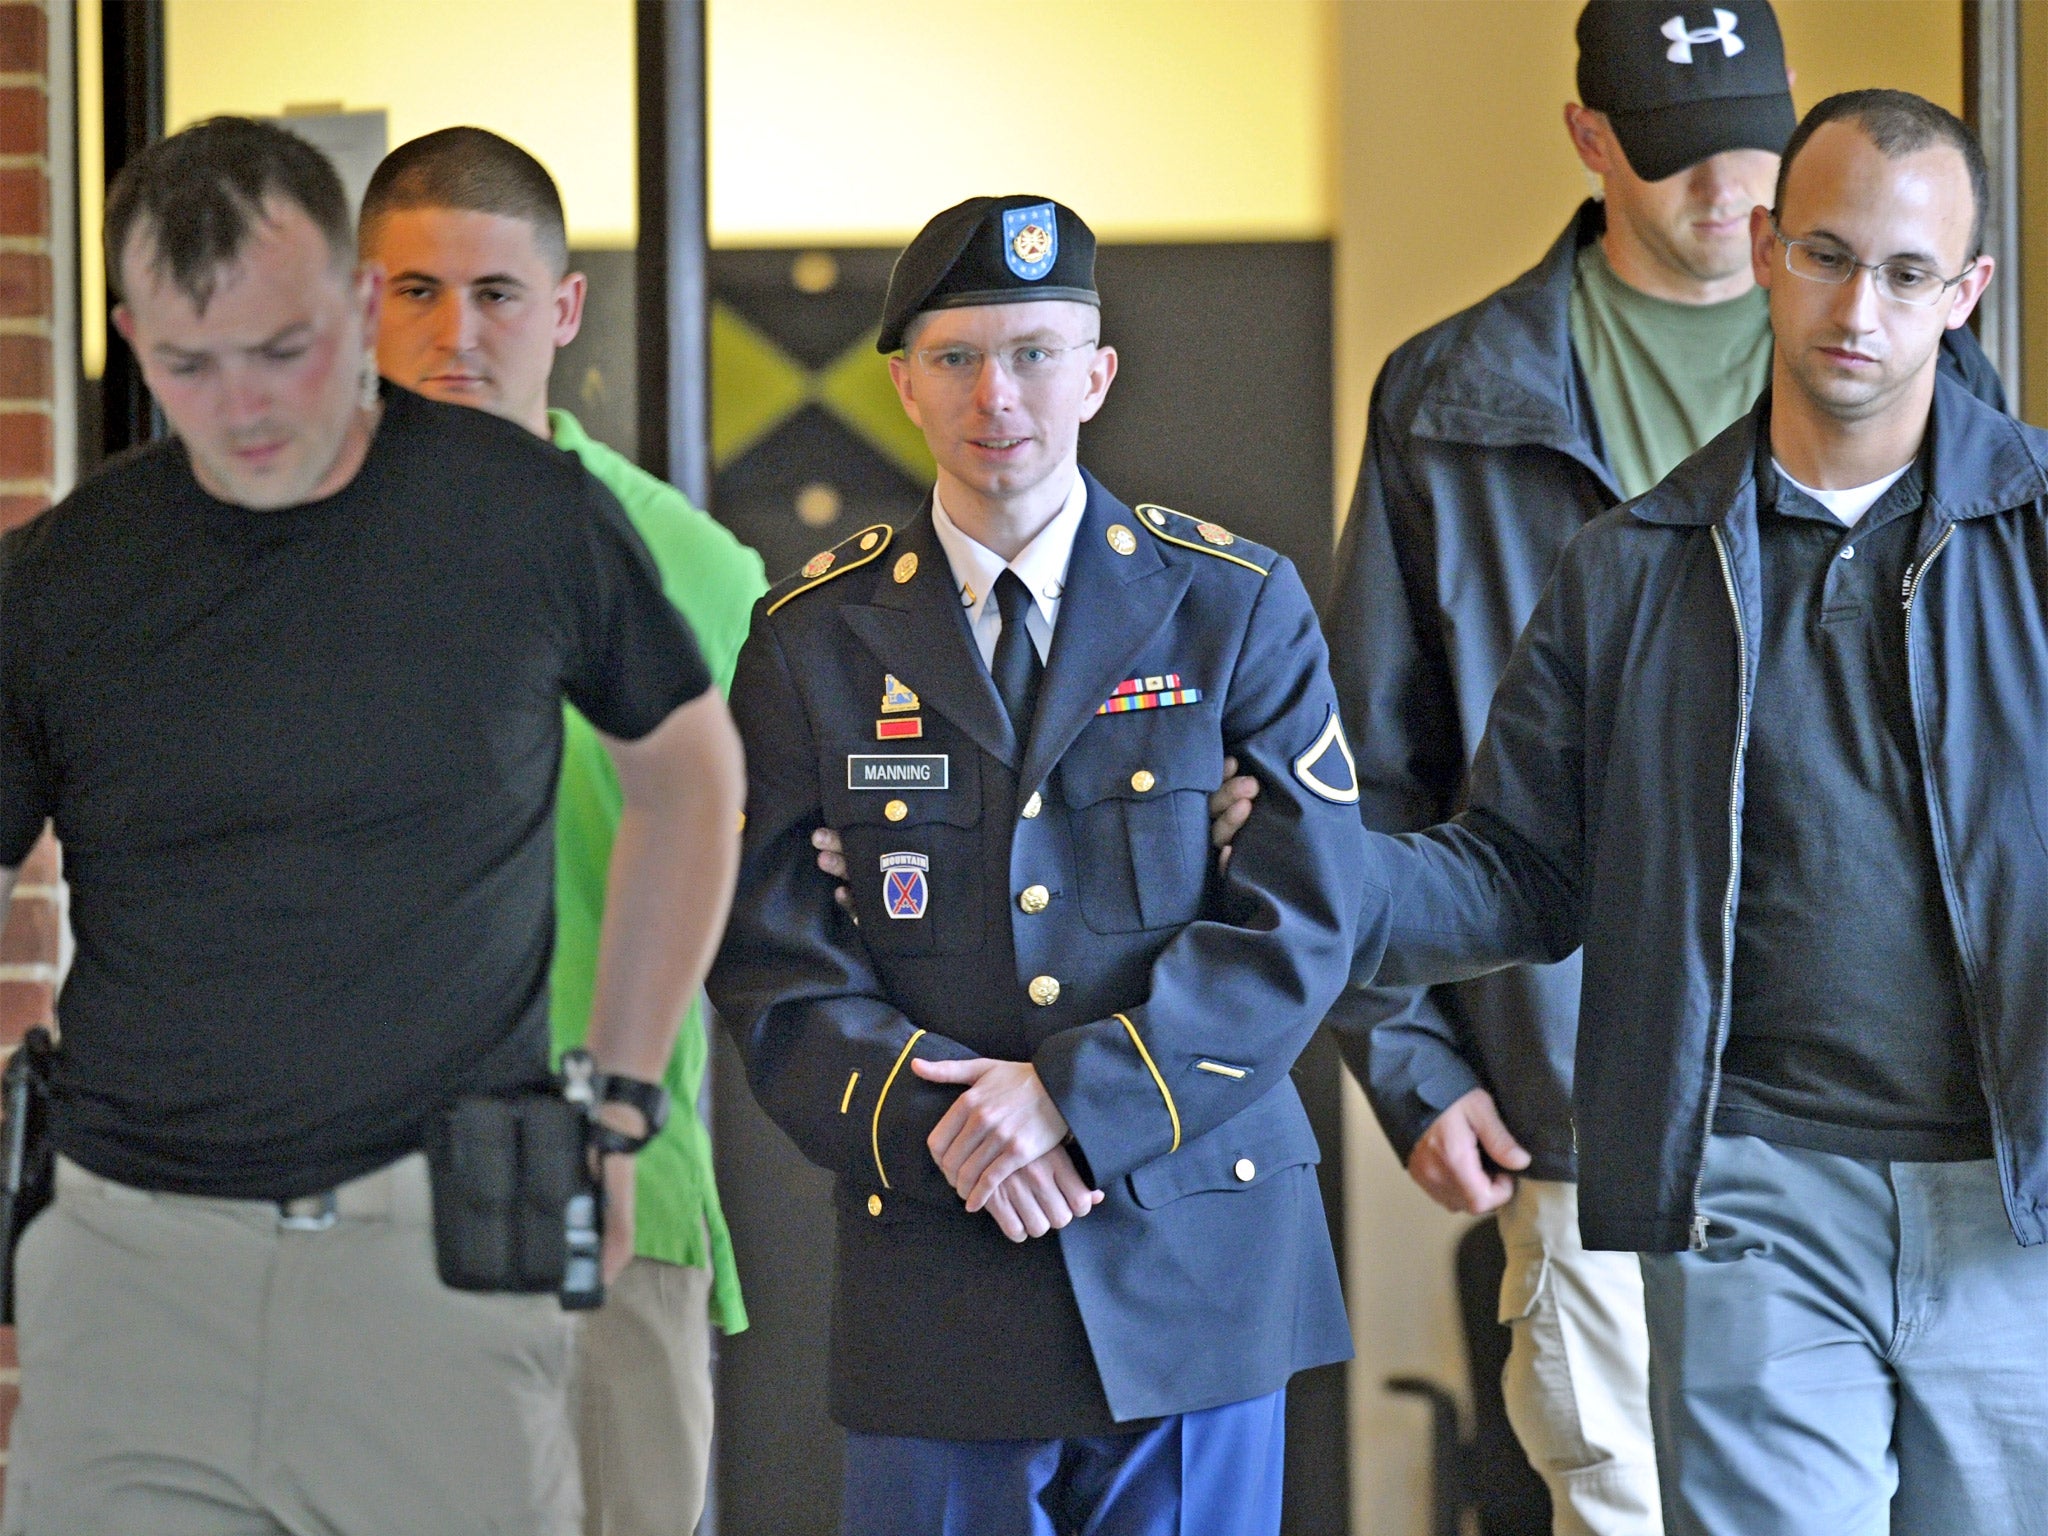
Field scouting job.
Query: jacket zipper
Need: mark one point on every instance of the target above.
(1914, 576)
(1699, 1221)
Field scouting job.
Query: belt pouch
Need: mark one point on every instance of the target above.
(552, 1160)
(506, 1169)
(474, 1163)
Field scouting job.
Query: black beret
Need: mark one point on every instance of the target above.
(990, 250)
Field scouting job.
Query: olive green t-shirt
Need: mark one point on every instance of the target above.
(1666, 378)
(713, 579)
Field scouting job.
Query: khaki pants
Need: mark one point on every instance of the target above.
(1577, 1377)
(643, 1402)
(191, 1368)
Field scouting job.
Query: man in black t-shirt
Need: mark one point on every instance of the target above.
(290, 687)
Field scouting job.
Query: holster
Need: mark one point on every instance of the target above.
(28, 1162)
(518, 1204)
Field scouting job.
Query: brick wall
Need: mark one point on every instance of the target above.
(26, 438)
(31, 944)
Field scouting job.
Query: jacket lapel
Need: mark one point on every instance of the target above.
(1513, 378)
(918, 631)
(1111, 609)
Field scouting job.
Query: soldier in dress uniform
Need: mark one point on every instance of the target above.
(1080, 1244)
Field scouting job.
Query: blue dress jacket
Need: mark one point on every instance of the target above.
(1054, 901)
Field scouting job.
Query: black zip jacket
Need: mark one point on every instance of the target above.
(1606, 805)
(1482, 460)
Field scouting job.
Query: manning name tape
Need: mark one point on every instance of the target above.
(896, 770)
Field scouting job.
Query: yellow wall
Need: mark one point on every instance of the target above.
(830, 120)
(92, 180)
(854, 121)
(2034, 202)
(555, 75)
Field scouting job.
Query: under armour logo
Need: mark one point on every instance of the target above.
(1683, 42)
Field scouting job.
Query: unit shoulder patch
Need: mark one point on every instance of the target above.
(1171, 527)
(850, 554)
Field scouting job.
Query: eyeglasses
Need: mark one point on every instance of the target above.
(1903, 282)
(1031, 363)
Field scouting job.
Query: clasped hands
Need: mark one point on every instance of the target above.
(1002, 1143)
(1002, 1146)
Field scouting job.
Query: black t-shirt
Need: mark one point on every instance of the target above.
(1849, 1031)
(303, 765)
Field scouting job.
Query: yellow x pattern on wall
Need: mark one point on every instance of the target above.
(756, 386)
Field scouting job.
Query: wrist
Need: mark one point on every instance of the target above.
(628, 1121)
(626, 1113)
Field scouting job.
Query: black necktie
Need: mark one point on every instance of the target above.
(1016, 668)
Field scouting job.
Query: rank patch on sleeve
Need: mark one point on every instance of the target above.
(1326, 768)
(903, 884)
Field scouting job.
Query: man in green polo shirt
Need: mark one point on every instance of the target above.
(469, 230)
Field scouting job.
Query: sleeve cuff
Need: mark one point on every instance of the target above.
(906, 1108)
(1112, 1094)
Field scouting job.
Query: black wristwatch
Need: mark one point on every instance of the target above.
(583, 1084)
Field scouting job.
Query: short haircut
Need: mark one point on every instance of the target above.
(1899, 124)
(198, 196)
(475, 171)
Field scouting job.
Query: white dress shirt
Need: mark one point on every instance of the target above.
(1041, 565)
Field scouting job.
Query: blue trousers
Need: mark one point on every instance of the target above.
(1858, 1351)
(1212, 1473)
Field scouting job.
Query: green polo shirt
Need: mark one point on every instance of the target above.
(713, 579)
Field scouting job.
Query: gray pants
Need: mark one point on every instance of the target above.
(1858, 1350)
(189, 1368)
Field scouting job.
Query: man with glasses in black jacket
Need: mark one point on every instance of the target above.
(1495, 436)
(1769, 748)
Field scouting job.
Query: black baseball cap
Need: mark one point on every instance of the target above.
(990, 250)
(1682, 82)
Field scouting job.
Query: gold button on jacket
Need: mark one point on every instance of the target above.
(874, 1205)
(1045, 990)
(895, 810)
(1034, 898)
(1142, 780)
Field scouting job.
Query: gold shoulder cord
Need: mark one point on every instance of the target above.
(840, 568)
(1145, 511)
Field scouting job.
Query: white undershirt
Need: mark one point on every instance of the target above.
(1846, 507)
(1041, 565)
